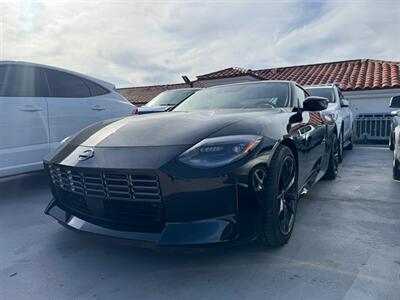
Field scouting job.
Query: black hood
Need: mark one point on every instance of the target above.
(165, 129)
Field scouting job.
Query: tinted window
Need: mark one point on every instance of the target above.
(322, 92)
(95, 89)
(170, 98)
(65, 85)
(20, 81)
(241, 96)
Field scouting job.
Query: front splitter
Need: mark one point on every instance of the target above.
(189, 233)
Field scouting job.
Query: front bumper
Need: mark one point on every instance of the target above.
(188, 233)
(133, 193)
(187, 211)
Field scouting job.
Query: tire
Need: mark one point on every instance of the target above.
(340, 143)
(333, 165)
(391, 142)
(278, 198)
(349, 145)
(396, 169)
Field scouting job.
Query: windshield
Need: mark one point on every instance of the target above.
(322, 92)
(170, 98)
(242, 96)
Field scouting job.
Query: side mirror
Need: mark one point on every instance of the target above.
(395, 102)
(314, 103)
(344, 103)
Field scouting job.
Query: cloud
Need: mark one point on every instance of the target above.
(139, 43)
(349, 30)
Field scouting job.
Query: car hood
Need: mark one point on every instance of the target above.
(167, 129)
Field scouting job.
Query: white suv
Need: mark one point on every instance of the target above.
(339, 110)
(42, 105)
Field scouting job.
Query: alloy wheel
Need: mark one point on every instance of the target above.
(258, 180)
(287, 201)
(335, 157)
(340, 148)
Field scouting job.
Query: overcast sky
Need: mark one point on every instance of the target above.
(134, 43)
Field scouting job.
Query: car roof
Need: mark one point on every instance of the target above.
(254, 82)
(326, 86)
(103, 83)
(183, 89)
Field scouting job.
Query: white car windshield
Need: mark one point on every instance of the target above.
(170, 98)
(322, 92)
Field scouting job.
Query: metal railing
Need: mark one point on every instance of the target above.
(374, 127)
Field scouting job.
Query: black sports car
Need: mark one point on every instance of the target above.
(394, 139)
(228, 163)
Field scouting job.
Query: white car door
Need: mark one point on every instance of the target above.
(24, 133)
(70, 105)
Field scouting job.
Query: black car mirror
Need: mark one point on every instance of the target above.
(314, 103)
(344, 103)
(395, 102)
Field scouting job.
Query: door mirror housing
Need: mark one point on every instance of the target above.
(314, 103)
(395, 102)
(344, 103)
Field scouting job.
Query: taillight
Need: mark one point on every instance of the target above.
(135, 111)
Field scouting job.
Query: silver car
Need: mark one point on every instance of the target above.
(338, 109)
(394, 140)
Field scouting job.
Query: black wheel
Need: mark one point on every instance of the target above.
(396, 170)
(333, 165)
(349, 145)
(276, 188)
(391, 142)
(340, 147)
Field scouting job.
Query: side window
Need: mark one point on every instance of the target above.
(20, 81)
(66, 85)
(95, 89)
(300, 95)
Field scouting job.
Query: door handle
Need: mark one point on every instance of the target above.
(98, 107)
(305, 133)
(30, 108)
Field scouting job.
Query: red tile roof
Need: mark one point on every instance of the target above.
(356, 74)
(230, 72)
(143, 94)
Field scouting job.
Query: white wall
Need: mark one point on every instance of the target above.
(371, 101)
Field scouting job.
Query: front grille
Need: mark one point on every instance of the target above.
(127, 201)
(118, 186)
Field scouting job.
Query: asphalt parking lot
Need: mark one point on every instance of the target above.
(345, 245)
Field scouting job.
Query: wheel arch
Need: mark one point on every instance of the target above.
(265, 161)
(292, 146)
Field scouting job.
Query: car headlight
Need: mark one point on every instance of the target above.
(219, 151)
(330, 116)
